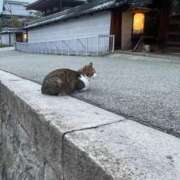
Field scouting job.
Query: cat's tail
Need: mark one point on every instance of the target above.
(51, 86)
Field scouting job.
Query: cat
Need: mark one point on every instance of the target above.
(66, 81)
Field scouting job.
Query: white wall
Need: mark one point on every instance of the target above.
(127, 22)
(89, 25)
(6, 40)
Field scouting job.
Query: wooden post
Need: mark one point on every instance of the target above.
(116, 21)
(60, 5)
(163, 25)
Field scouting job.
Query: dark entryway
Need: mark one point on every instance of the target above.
(116, 22)
(19, 37)
(169, 24)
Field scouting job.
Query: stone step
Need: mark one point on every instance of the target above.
(64, 138)
(173, 43)
(172, 22)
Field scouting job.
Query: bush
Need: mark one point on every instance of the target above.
(2, 46)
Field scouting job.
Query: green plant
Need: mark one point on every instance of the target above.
(14, 22)
(2, 46)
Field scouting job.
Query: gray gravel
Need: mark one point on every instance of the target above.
(144, 89)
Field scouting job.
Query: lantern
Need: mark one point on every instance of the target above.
(138, 23)
(24, 37)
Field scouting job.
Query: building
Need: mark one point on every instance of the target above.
(54, 6)
(99, 26)
(9, 8)
(13, 11)
(9, 36)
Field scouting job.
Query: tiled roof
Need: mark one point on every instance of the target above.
(40, 4)
(95, 6)
(139, 2)
(11, 30)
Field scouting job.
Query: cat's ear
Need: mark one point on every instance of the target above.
(91, 64)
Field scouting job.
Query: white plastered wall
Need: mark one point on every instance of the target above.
(84, 26)
(7, 39)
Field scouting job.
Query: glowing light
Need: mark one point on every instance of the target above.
(138, 23)
(25, 37)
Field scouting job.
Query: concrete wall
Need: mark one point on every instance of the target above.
(127, 24)
(4, 39)
(84, 26)
(62, 138)
(7, 39)
(75, 33)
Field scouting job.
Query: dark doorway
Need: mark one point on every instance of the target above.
(19, 37)
(116, 21)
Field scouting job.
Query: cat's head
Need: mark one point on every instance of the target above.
(88, 70)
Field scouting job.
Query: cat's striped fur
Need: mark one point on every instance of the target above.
(66, 81)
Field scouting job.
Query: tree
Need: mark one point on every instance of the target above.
(14, 22)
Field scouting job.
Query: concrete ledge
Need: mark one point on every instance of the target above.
(62, 138)
(124, 150)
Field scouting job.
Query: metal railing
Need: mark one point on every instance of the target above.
(96, 45)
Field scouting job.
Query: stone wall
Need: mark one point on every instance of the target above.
(31, 149)
(62, 138)
(33, 127)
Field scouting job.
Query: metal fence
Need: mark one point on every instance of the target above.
(89, 46)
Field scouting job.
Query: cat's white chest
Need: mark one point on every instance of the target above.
(85, 80)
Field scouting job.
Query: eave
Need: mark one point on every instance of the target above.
(89, 8)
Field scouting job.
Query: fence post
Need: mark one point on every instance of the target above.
(113, 43)
(68, 51)
(95, 45)
(98, 45)
(86, 46)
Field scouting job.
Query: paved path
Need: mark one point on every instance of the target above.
(141, 88)
(6, 49)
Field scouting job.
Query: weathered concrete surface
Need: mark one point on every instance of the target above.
(61, 138)
(33, 126)
(30, 147)
(144, 89)
(125, 151)
(7, 49)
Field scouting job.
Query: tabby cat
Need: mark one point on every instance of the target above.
(66, 81)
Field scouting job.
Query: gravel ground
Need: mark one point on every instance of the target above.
(144, 89)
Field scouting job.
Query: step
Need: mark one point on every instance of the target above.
(174, 38)
(177, 17)
(174, 29)
(174, 33)
(172, 22)
(173, 49)
(64, 138)
(173, 43)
